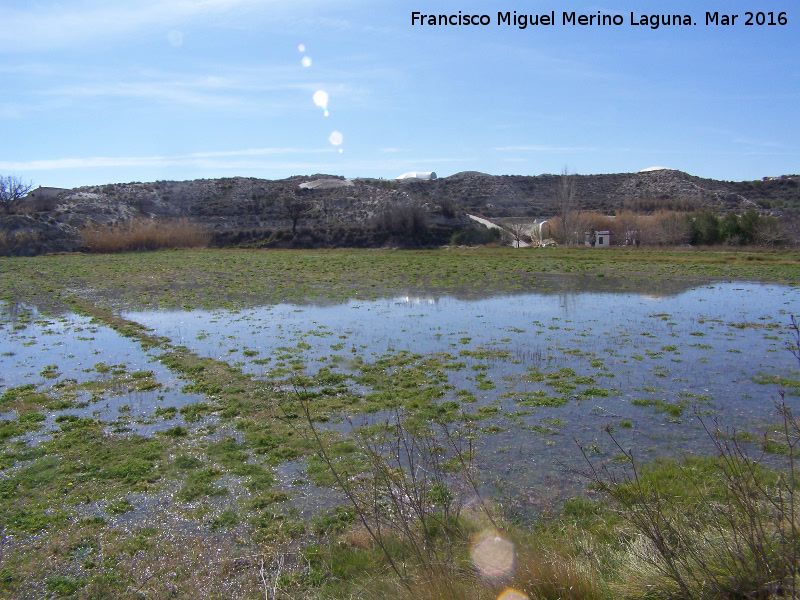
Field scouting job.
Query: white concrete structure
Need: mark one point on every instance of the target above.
(598, 239)
(537, 231)
(45, 192)
(418, 175)
(324, 184)
(489, 225)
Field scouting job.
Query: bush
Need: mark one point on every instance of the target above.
(416, 478)
(407, 221)
(725, 526)
(475, 236)
(144, 234)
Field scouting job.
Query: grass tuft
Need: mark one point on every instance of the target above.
(144, 234)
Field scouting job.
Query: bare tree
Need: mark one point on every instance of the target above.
(565, 201)
(295, 208)
(791, 227)
(674, 230)
(447, 207)
(517, 231)
(12, 191)
(629, 228)
(770, 232)
(408, 219)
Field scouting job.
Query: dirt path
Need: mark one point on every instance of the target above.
(491, 225)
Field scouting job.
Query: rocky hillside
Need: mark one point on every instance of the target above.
(368, 211)
(512, 195)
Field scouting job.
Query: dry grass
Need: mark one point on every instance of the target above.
(17, 242)
(144, 234)
(553, 573)
(544, 568)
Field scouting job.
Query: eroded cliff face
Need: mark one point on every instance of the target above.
(239, 209)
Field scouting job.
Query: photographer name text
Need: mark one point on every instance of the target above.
(573, 19)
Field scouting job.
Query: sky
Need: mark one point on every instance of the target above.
(113, 91)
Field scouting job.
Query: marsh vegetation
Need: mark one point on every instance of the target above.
(357, 424)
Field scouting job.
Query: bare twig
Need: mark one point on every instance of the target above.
(319, 447)
(264, 580)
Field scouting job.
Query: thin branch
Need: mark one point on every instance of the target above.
(319, 448)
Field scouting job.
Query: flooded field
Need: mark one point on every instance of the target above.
(537, 372)
(154, 418)
(89, 370)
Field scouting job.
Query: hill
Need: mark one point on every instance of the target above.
(328, 210)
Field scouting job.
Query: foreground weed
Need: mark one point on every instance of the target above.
(411, 489)
(717, 527)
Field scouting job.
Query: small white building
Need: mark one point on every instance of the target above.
(598, 239)
(45, 192)
(418, 175)
(326, 184)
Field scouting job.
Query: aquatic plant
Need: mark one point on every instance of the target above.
(711, 527)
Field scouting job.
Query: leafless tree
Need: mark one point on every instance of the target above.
(567, 210)
(674, 230)
(12, 191)
(447, 207)
(517, 231)
(791, 227)
(770, 232)
(408, 218)
(629, 228)
(295, 208)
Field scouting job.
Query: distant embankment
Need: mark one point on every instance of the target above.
(326, 210)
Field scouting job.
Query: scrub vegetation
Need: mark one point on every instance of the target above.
(144, 234)
(236, 278)
(360, 476)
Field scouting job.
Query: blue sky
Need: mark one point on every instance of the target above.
(107, 91)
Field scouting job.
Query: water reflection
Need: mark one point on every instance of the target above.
(418, 300)
(637, 362)
(57, 354)
(538, 371)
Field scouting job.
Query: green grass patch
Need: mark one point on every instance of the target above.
(673, 409)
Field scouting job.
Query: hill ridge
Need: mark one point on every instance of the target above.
(236, 209)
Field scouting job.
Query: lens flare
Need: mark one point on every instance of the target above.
(493, 556)
(321, 100)
(306, 62)
(512, 594)
(336, 138)
(301, 47)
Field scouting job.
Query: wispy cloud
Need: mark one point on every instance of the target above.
(182, 93)
(274, 163)
(221, 88)
(195, 159)
(28, 69)
(551, 149)
(13, 110)
(760, 143)
(48, 25)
